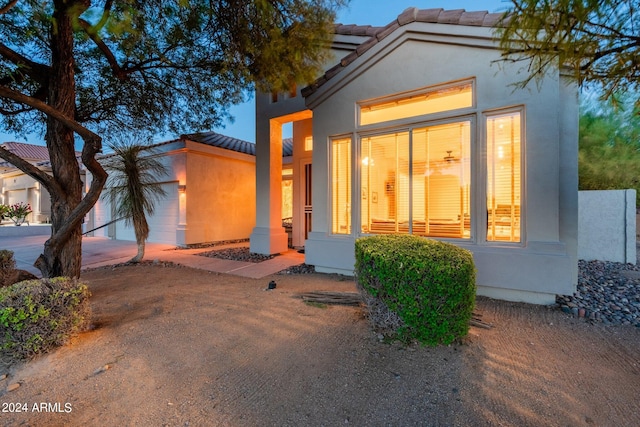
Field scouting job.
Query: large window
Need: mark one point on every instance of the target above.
(341, 186)
(417, 181)
(429, 101)
(418, 177)
(503, 177)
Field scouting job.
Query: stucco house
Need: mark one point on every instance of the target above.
(418, 128)
(19, 187)
(210, 194)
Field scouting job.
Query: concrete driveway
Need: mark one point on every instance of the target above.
(96, 251)
(100, 251)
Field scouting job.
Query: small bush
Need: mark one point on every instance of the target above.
(38, 315)
(7, 267)
(429, 285)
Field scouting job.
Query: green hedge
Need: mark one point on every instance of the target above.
(429, 284)
(38, 315)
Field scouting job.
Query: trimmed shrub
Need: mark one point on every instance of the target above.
(38, 315)
(429, 285)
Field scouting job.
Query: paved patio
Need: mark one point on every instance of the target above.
(99, 251)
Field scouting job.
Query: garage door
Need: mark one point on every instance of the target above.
(162, 224)
(16, 196)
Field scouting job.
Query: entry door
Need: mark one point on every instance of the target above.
(307, 200)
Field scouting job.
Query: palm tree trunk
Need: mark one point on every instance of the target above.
(136, 259)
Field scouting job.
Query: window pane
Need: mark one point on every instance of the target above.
(434, 101)
(287, 198)
(441, 180)
(385, 183)
(341, 186)
(503, 178)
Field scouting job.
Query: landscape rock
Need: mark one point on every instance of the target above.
(607, 292)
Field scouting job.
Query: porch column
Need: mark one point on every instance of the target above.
(269, 237)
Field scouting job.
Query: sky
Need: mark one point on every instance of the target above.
(360, 12)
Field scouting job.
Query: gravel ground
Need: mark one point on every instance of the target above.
(237, 254)
(608, 292)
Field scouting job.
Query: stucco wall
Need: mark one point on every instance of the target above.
(220, 195)
(218, 201)
(607, 225)
(545, 262)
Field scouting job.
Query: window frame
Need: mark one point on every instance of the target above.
(473, 150)
(330, 205)
(478, 140)
(414, 93)
(483, 218)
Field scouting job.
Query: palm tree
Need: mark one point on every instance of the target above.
(133, 184)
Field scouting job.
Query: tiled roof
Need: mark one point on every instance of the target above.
(27, 151)
(410, 15)
(287, 147)
(222, 141)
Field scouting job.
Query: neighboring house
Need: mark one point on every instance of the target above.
(210, 193)
(19, 187)
(418, 128)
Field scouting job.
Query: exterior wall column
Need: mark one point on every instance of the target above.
(268, 236)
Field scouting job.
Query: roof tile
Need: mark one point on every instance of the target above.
(27, 151)
(229, 143)
(349, 58)
(428, 15)
(388, 29)
(366, 45)
(496, 19)
(346, 30)
(222, 141)
(409, 15)
(473, 18)
(333, 70)
(450, 16)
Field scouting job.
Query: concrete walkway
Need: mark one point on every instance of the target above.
(98, 252)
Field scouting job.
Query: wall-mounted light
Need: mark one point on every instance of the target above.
(182, 188)
(308, 143)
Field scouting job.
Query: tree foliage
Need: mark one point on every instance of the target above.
(187, 61)
(134, 185)
(81, 68)
(609, 150)
(598, 41)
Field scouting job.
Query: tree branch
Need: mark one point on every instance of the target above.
(30, 169)
(111, 59)
(99, 177)
(6, 112)
(602, 53)
(85, 134)
(38, 72)
(4, 9)
(105, 17)
(92, 146)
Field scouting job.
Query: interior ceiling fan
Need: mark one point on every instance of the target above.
(449, 157)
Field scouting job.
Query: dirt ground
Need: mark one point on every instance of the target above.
(180, 347)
